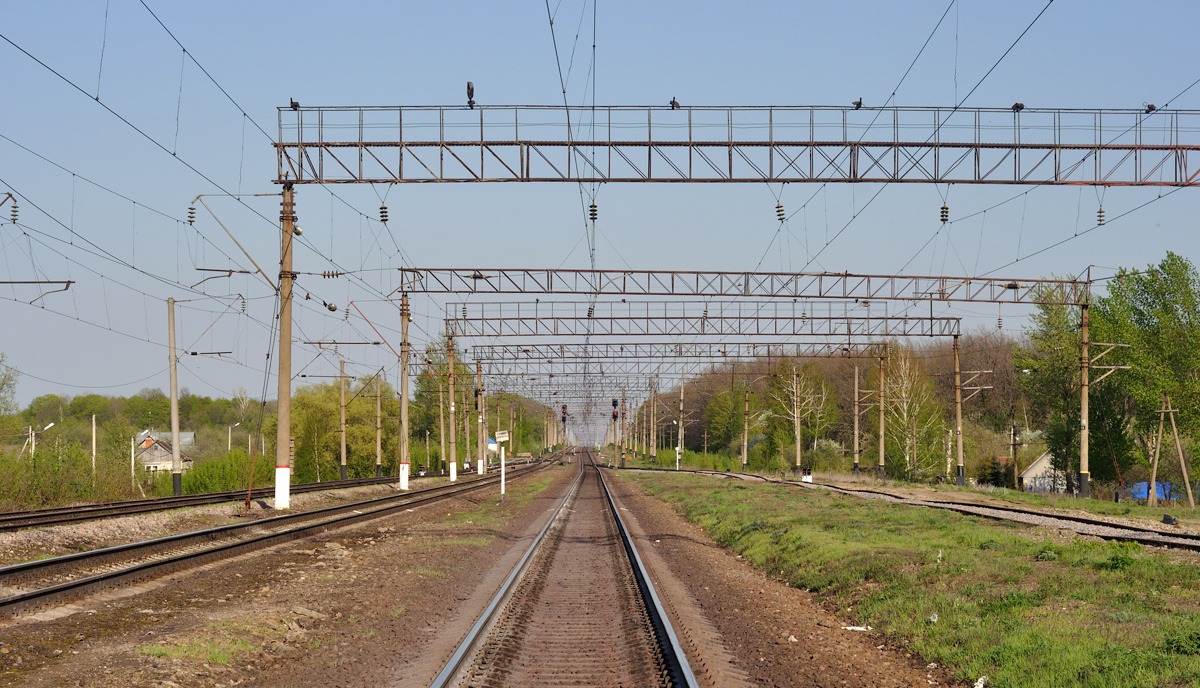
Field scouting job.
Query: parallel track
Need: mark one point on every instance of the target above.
(39, 584)
(1095, 527)
(578, 609)
(15, 520)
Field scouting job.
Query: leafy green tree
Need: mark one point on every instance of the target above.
(1157, 312)
(1049, 366)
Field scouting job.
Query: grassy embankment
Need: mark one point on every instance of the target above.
(1025, 607)
(717, 462)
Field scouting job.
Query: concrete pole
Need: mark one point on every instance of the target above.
(441, 426)
(679, 445)
(960, 475)
(342, 392)
(502, 470)
(132, 473)
(283, 431)
(1085, 488)
(857, 443)
(512, 431)
(176, 459)
(405, 430)
(480, 427)
(379, 425)
(881, 471)
(746, 431)
(93, 446)
(796, 412)
(623, 433)
(450, 393)
(654, 419)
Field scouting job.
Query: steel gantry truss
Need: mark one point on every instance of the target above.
(523, 143)
(713, 352)
(686, 319)
(748, 285)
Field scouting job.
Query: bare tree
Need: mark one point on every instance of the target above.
(914, 419)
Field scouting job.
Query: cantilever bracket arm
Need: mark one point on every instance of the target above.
(66, 285)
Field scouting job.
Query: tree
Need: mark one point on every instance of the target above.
(1049, 367)
(8, 387)
(1157, 312)
(915, 422)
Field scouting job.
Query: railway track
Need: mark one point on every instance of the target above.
(578, 609)
(1084, 525)
(40, 584)
(15, 520)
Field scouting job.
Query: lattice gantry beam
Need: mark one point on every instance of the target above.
(708, 351)
(758, 285)
(684, 319)
(521, 143)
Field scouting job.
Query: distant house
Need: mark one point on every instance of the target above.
(186, 439)
(155, 455)
(1040, 476)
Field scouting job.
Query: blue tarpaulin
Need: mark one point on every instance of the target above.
(1161, 490)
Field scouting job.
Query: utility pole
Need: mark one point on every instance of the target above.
(176, 459)
(624, 439)
(679, 446)
(450, 392)
(283, 433)
(379, 425)
(93, 446)
(856, 412)
(441, 425)
(746, 431)
(480, 428)
(342, 391)
(960, 478)
(654, 418)
(881, 472)
(1085, 488)
(404, 427)
(512, 430)
(796, 414)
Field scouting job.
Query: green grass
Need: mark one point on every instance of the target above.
(1022, 609)
(219, 643)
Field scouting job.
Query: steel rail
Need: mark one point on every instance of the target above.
(476, 635)
(673, 655)
(358, 511)
(677, 664)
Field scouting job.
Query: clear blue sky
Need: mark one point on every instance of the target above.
(1079, 54)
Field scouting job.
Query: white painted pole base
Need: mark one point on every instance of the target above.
(502, 470)
(404, 476)
(453, 471)
(283, 487)
(480, 470)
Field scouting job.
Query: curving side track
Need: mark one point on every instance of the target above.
(578, 609)
(1084, 525)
